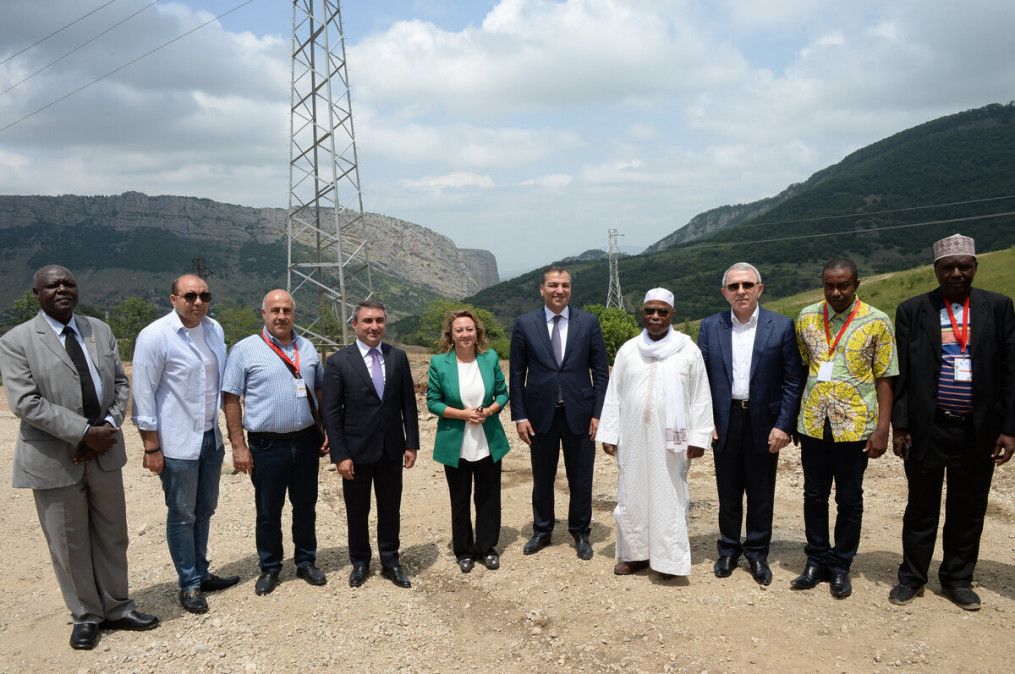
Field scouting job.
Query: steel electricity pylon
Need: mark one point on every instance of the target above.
(614, 298)
(329, 271)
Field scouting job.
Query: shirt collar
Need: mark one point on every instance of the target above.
(751, 322)
(57, 326)
(566, 313)
(364, 349)
(845, 312)
(279, 344)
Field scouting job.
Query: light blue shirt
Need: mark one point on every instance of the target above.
(73, 325)
(170, 382)
(270, 403)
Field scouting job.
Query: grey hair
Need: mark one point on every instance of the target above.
(741, 266)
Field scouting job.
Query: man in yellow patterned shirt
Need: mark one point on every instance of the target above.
(848, 348)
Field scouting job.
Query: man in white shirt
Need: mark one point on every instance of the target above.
(756, 377)
(178, 365)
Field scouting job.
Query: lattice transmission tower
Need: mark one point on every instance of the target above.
(614, 298)
(329, 270)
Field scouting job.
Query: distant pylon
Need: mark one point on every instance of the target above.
(325, 266)
(614, 298)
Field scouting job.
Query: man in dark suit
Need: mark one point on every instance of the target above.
(756, 377)
(954, 413)
(370, 414)
(559, 372)
(64, 380)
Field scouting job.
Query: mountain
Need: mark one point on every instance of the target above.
(135, 244)
(883, 206)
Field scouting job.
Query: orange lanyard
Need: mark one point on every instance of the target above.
(828, 327)
(961, 337)
(296, 354)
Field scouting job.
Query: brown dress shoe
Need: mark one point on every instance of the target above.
(627, 568)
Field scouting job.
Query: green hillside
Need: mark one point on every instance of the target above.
(840, 210)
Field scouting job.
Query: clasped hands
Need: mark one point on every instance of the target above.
(97, 440)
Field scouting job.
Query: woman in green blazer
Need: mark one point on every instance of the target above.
(466, 390)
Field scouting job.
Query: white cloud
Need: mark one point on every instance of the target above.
(555, 181)
(450, 181)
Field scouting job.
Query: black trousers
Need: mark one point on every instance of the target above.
(826, 461)
(285, 465)
(741, 468)
(579, 460)
(385, 477)
(485, 475)
(951, 451)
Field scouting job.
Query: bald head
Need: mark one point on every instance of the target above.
(188, 279)
(278, 309)
(44, 272)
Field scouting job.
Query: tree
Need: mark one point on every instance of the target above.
(25, 308)
(432, 320)
(238, 322)
(128, 319)
(617, 325)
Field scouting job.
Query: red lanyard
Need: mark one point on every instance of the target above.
(828, 327)
(296, 354)
(961, 337)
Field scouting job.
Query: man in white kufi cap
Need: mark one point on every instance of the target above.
(656, 418)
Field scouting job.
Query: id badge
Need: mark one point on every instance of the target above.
(963, 369)
(301, 388)
(825, 371)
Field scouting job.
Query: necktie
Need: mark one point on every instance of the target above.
(89, 400)
(558, 351)
(375, 372)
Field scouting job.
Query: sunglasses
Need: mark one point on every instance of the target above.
(663, 313)
(191, 297)
(746, 285)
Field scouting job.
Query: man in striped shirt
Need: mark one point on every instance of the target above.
(954, 414)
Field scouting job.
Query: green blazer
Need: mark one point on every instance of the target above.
(442, 392)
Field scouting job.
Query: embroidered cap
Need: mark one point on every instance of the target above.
(956, 244)
(660, 294)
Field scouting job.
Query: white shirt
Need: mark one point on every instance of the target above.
(472, 390)
(564, 315)
(171, 384)
(743, 349)
(211, 375)
(368, 360)
(73, 325)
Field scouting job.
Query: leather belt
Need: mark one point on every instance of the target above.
(742, 404)
(950, 417)
(279, 436)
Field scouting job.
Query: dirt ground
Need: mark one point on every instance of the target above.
(548, 612)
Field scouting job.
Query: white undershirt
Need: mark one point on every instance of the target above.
(743, 349)
(211, 375)
(472, 390)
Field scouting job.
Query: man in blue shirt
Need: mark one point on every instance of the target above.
(178, 364)
(279, 377)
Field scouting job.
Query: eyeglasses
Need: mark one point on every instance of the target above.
(191, 297)
(746, 285)
(663, 313)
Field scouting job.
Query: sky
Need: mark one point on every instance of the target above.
(525, 127)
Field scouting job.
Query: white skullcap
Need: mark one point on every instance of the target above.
(661, 294)
(956, 244)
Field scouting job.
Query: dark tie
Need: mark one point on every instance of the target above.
(558, 352)
(375, 372)
(89, 400)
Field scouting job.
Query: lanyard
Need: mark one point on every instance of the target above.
(294, 367)
(828, 327)
(961, 337)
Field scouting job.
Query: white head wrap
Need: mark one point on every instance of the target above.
(660, 294)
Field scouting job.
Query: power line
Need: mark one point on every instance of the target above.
(58, 30)
(125, 65)
(83, 44)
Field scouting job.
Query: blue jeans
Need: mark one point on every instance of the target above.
(191, 487)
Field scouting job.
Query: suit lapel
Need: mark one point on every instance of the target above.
(487, 376)
(572, 329)
(357, 364)
(389, 367)
(978, 320)
(761, 335)
(543, 333)
(52, 342)
(726, 345)
(931, 322)
(453, 390)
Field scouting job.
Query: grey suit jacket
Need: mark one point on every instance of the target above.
(44, 392)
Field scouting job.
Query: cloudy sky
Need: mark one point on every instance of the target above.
(527, 127)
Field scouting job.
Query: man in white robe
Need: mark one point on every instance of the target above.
(657, 417)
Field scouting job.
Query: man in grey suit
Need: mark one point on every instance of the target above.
(64, 380)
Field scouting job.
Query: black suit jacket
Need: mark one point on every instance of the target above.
(992, 348)
(360, 425)
(535, 374)
(776, 378)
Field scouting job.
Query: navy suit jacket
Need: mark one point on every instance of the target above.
(777, 374)
(361, 426)
(535, 375)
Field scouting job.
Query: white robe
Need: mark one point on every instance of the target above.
(652, 496)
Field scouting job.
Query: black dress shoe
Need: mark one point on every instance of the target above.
(266, 582)
(536, 543)
(358, 576)
(963, 597)
(840, 586)
(132, 620)
(811, 576)
(213, 583)
(583, 548)
(84, 636)
(903, 595)
(466, 564)
(396, 576)
(491, 560)
(724, 566)
(193, 601)
(311, 574)
(761, 572)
